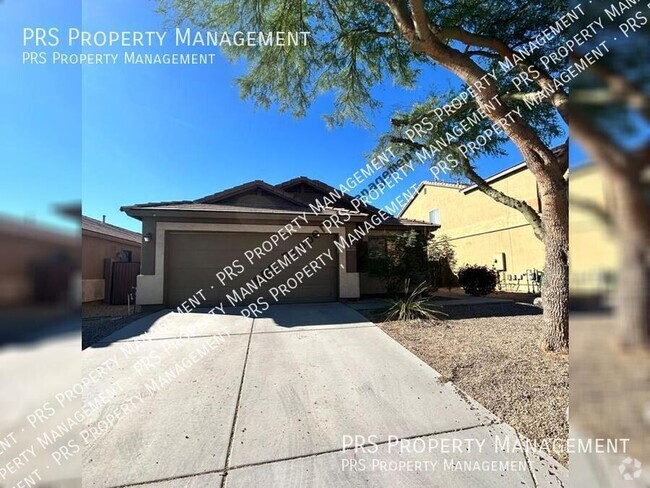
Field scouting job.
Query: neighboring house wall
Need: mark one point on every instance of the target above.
(593, 252)
(480, 228)
(94, 250)
(38, 264)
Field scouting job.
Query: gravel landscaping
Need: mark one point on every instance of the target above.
(101, 320)
(491, 352)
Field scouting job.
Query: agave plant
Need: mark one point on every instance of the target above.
(413, 305)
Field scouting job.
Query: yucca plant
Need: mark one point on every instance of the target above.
(413, 305)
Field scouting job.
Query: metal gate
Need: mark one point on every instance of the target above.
(123, 279)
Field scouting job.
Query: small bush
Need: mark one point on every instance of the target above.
(413, 305)
(477, 280)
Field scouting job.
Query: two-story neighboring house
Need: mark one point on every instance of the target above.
(484, 231)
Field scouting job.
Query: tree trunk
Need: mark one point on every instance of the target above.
(555, 284)
(541, 161)
(634, 270)
(634, 296)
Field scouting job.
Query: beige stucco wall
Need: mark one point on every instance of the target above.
(95, 248)
(479, 227)
(592, 248)
(151, 286)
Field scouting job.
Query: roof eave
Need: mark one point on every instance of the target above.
(498, 176)
(140, 212)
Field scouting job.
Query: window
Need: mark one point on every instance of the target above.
(434, 216)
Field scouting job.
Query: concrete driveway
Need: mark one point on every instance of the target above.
(211, 400)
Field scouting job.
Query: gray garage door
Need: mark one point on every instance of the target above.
(193, 258)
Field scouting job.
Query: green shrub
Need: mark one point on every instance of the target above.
(477, 280)
(405, 257)
(413, 305)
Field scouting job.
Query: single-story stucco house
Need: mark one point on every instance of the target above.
(223, 242)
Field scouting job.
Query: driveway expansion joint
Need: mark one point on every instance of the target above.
(526, 457)
(170, 478)
(224, 479)
(205, 336)
(332, 451)
(228, 468)
(315, 329)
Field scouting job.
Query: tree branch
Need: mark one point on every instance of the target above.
(539, 158)
(559, 98)
(531, 216)
(594, 209)
(402, 16)
(534, 97)
(485, 54)
(607, 96)
(602, 148)
(620, 88)
(421, 21)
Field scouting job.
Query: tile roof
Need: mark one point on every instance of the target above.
(445, 184)
(323, 187)
(416, 222)
(216, 197)
(557, 150)
(210, 203)
(93, 225)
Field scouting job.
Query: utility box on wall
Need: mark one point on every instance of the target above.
(499, 261)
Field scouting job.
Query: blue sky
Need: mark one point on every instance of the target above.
(40, 126)
(120, 134)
